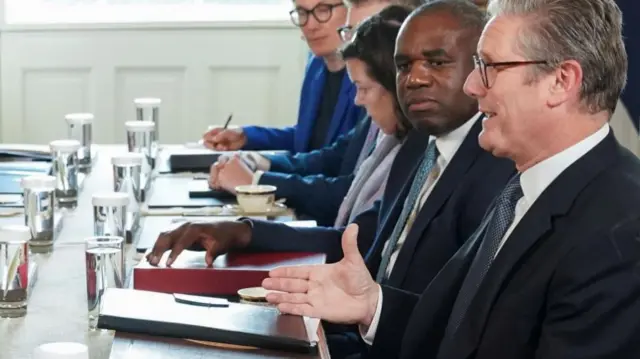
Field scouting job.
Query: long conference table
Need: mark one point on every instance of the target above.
(57, 305)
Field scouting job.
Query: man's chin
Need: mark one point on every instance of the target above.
(434, 126)
(492, 147)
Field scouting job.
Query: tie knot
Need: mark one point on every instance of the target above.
(432, 150)
(512, 192)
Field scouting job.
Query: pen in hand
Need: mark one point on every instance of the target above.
(226, 124)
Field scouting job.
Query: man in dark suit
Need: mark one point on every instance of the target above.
(425, 215)
(441, 181)
(552, 271)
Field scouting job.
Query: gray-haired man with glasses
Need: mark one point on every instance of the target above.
(553, 271)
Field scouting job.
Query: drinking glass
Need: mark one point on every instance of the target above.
(104, 256)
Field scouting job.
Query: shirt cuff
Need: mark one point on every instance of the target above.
(256, 177)
(262, 163)
(370, 333)
(256, 161)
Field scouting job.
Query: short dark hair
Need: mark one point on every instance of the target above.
(373, 43)
(466, 12)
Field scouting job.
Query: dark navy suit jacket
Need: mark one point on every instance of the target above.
(296, 138)
(565, 285)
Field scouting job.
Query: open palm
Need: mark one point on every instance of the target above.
(342, 292)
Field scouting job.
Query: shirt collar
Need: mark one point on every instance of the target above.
(537, 178)
(449, 143)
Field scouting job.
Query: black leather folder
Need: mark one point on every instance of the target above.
(192, 159)
(143, 312)
(171, 192)
(200, 189)
(198, 160)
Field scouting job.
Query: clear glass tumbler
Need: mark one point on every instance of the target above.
(104, 257)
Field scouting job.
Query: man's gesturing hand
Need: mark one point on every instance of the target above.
(342, 292)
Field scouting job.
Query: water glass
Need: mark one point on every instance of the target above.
(65, 169)
(104, 258)
(14, 270)
(139, 136)
(110, 214)
(148, 109)
(61, 350)
(39, 214)
(80, 128)
(127, 172)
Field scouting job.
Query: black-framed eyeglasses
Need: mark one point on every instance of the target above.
(346, 32)
(482, 66)
(321, 12)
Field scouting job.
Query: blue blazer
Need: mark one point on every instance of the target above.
(296, 138)
(631, 31)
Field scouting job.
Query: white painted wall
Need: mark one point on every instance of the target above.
(202, 73)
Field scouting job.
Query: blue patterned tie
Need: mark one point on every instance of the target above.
(428, 161)
(499, 222)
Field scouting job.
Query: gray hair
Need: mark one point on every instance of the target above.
(587, 31)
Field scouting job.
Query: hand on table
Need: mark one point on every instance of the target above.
(343, 292)
(221, 139)
(216, 238)
(230, 173)
(253, 159)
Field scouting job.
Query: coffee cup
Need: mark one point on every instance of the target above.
(255, 198)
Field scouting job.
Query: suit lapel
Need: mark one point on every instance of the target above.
(415, 147)
(555, 201)
(405, 170)
(449, 180)
(309, 109)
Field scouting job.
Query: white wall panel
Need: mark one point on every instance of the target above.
(248, 102)
(47, 95)
(201, 74)
(165, 83)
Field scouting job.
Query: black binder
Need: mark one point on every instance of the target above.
(160, 314)
(200, 189)
(168, 192)
(197, 160)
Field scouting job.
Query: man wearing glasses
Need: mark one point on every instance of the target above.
(359, 10)
(326, 101)
(315, 183)
(553, 270)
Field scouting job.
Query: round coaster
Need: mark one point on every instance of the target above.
(254, 294)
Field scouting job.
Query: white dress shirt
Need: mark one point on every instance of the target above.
(447, 146)
(533, 182)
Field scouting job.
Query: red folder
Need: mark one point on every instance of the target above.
(230, 273)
